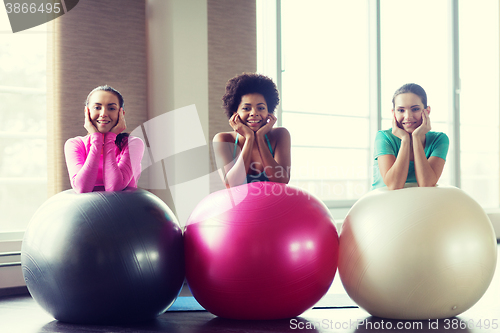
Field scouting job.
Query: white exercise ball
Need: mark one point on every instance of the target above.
(417, 253)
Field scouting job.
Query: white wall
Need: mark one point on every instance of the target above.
(177, 56)
(178, 77)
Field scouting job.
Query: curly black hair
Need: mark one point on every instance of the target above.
(249, 83)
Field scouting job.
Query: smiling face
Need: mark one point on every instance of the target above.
(408, 109)
(253, 111)
(104, 107)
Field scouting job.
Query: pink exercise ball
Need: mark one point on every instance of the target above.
(260, 251)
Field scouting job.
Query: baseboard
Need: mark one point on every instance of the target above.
(494, 215)
(14, 291)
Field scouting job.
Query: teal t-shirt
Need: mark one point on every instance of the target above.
(386, 143)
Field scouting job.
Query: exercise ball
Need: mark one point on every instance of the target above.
(260, 251)
(417, 253)
(103, 257)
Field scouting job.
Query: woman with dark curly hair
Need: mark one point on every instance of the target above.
(254, 150)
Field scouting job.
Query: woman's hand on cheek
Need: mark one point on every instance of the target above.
(88, 123)
(398, 131)
(121, 125)
(270, 121)
(239, 127)
(425, 127)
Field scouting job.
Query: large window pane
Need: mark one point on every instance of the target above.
(329, 163)
(23, 125)
(325, 56)
(479, 100)
(415, 48)
(326, 131)
(325, 96)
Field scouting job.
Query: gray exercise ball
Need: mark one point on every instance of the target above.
(103, 257)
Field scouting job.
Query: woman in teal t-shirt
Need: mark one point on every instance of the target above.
(409, 152)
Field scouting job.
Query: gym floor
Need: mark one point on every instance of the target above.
(20, 314)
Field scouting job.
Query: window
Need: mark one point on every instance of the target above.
(340, 63)
(324, 91)
(479, 100)
(23, 161)
(419, 53)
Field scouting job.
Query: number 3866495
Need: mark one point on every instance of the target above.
(27, 8)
